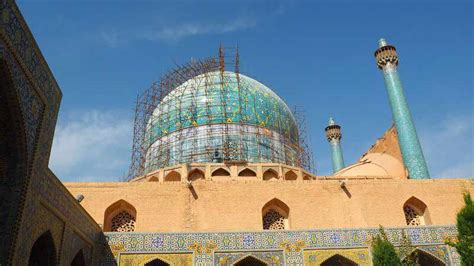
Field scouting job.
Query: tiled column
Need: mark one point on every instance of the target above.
(387, 61)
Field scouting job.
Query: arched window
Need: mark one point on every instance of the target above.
(338, 260)
(250, 261)
(195, 174)
(416, 212)
(153, 179)
(247, 172)
(275, 215)
(157, 262)
(220, 172)
(270, 174)
(290, 175)
(173, 176)
(120, 217)
(43, 251)
(79, 259)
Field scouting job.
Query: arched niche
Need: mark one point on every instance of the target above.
(173, 176)
(306, 177)
(153, 179)
(79, 259)
(43, 252)
(416, 212)
(290, 175)
(270, 174)
(220, 172)
(275, 215)
(338, 260)
(195, 174)
(120, 217)
(250, 261)
(247, 172)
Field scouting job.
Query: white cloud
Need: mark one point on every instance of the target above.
(174, 33)
(92, 146)
(171, 33)
(449, 147)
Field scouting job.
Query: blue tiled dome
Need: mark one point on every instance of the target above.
(242, 109)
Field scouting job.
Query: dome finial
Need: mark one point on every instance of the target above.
(382, 42)
(331, 121)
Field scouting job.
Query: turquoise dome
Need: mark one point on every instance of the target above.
(210, 112)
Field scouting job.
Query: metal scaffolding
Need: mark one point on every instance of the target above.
(209, 122)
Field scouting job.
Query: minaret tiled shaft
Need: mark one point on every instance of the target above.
(333, 133)
(387, 61)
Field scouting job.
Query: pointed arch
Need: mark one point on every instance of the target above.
(43, 251)
(14, 159)
(270, 174)
(427, 259)
(173, 176)
(195, 174)
(153, 179)
(120, 216)
(275, 214)
(338, 260)
(416, 212)
(79, 259)
(247, 172)
(424, 258)
(306, 177)
(220, 172)
(157, 262)
(290, 175)
(250, 260)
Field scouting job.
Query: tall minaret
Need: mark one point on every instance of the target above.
(387, 61)
(333, 133)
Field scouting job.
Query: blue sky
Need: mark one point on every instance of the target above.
(315, 55)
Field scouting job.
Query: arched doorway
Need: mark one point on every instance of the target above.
(43, 252)
(79, 259)
(425, 259)
(250, 261)
(156, 262)
(13, 161)
(338, 260)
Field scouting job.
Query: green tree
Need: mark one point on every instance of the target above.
(407, 251)
(383, 252)
(465, 225)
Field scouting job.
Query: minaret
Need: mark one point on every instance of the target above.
(333, 133)
(387, 61)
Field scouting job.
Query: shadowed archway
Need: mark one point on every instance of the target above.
(250, 261)
(426, 259)
(156, 262)
(338, 260)
(43, 252)
(79, 259)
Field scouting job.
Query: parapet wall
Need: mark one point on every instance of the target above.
(233, 204)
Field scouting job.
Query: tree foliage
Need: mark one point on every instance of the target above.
(407, 251)
(465, 226)
(383, 252)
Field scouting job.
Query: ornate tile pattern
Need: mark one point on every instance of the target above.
(212, 248)
(316, 257)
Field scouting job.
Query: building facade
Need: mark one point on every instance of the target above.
(220, 176)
